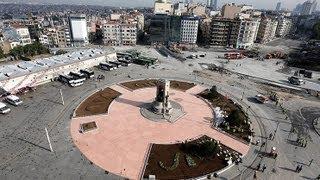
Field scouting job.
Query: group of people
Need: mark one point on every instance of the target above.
(298, 168)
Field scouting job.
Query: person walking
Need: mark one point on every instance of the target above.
(264, 167)
(297, 168)
(255, 175)
(258, 167)
(300, 169)
(310, 162)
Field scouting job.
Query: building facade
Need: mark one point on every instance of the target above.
(119, 33)
(267, 30)
(248, 31)
(163, 7)
(224, 32)
(189, 29)
(284, 26)
(230, 11)
(78, 30)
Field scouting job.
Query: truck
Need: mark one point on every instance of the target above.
(261, 98)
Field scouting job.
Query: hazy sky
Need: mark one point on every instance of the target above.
(267, 4)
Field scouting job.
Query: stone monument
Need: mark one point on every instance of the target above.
(162, 108)
(162, 105)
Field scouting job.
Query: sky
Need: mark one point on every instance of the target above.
(259, 4)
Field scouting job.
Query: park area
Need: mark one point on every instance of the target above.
(134, 85)
(236, 121)
(189, 159)
(98, 103)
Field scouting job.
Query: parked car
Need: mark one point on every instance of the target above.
(4, 109)
(14, 100)
(295, 80)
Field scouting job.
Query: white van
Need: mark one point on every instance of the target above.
(4, 109)
(14, 100)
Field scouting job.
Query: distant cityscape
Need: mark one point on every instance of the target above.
(186, 23)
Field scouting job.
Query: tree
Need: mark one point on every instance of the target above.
(316, 30)
(213, 93)
(1, 53)
(234, 118)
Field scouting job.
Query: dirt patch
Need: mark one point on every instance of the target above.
(174, 161)
(98, 103)
(179, 85)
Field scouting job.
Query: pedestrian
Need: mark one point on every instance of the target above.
(264, 167)
(310, 162)
(255, 175)
(300, 169)
(258, 167)
(270, 136)
(263, 144)
(257, 142)
(297, 168)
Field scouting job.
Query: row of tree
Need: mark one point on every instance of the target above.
(29, 50)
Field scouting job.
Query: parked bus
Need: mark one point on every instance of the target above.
(71, 81)
(88, 73)
(78, 76)
(106, 66)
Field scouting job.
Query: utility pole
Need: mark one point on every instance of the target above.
(48, 139)
(61, 97)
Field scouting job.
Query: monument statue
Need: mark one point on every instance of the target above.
(162, 105)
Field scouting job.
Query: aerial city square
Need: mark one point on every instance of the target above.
(160, 89)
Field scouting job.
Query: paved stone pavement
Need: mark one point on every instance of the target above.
(120, 143)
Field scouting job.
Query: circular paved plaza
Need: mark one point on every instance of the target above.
(121, 141)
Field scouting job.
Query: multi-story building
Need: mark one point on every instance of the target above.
(267, 30)
(306, 8)
(189, 29)
(248, 31)
(230, 11)
(196, 9)
(163, 7)
(119, 33)
(164, 29)
(58, 36)
(78, 29)
(278, 7)
(24, 35)
(284, 26)
(224, 32)
(15, 36)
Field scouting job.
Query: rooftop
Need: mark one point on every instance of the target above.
(22, 68)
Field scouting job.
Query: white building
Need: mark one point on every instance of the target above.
(189, 29)
(78, 29)
(163, 7)
(248, 31)
(33, 73)
(267, 30)
(24, 34)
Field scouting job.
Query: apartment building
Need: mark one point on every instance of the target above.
(284, 26)
(248, 31)
(224, 32)
(267, 30)
(118, 33)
